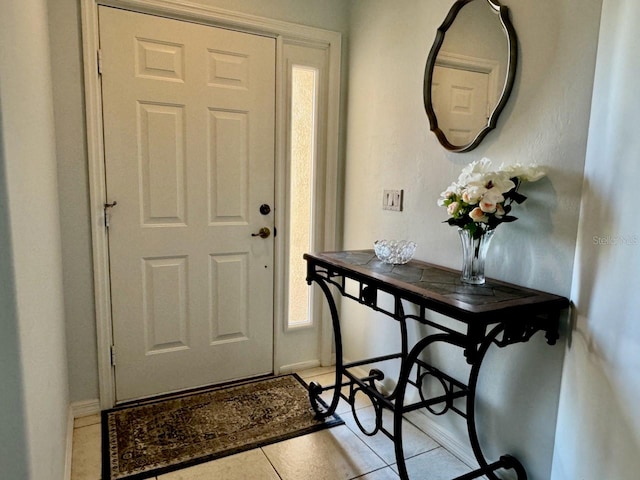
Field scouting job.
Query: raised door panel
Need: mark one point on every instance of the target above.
(461, 105)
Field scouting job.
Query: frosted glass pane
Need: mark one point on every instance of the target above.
(303, 129)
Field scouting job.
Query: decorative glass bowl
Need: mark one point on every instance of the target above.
(396, 252)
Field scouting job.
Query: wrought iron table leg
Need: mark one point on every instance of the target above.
(401, 387)
(314, 388)
(507, 461)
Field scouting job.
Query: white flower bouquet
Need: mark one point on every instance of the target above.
(481, 198)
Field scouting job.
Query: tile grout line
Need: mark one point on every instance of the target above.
(271, 463)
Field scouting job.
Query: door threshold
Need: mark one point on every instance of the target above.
(191, 391)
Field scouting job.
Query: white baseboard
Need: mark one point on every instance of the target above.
(76, 410)
(85, 408)
(68, 444)
(446, 439)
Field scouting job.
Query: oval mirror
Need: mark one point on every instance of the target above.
(470, 73)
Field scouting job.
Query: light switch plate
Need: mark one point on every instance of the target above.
(392, 200)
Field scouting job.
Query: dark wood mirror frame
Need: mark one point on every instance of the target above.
(503, 14)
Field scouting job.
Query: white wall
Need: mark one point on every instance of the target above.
(64, 17)
(13, 442)
(389, 145)
(33, 368)
(66, 71)
(598, 434)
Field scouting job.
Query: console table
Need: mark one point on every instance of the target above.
(494, 313)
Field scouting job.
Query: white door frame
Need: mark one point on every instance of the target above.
(475, 64)
(283, 32)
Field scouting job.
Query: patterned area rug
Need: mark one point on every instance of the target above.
(156, 437)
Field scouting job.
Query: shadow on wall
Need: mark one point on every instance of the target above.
(13, 444)
(601, 423)
(526, 241)
(516, 392)
(597, 248)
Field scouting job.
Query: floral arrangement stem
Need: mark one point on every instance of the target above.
(474, 252)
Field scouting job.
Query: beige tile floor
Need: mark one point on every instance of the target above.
(339, 453)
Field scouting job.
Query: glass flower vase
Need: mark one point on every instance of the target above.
(474, 253)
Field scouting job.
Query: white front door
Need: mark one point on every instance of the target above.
(461, 102)
(189, 154)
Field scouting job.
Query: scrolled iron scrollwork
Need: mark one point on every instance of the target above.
(377, 408)
(445, 387)
(315, 390)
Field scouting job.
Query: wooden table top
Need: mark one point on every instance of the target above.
(439, 288)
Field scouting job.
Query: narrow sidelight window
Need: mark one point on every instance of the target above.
(303, 119)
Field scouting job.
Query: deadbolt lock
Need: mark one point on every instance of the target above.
(265, 209)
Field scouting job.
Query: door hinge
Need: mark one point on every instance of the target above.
(107, 214)
(113, 355)
(99, 58)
